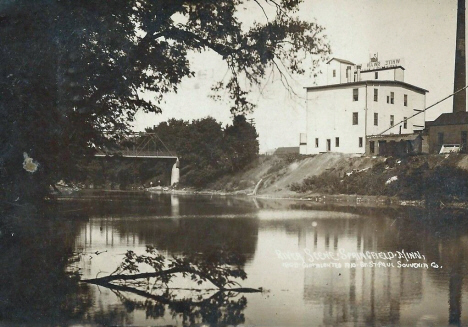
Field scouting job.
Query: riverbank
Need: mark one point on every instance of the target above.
(347, 179)
(434, 180)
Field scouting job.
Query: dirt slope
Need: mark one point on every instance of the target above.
(296, 171)
(278, 173)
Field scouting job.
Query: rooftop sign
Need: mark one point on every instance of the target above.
(375, 63)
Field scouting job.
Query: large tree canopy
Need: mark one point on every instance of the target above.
(73, 71)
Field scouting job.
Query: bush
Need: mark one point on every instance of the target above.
(415, 181)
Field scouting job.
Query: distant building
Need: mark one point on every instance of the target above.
(449, 129)
(359, 103)
(286, 151)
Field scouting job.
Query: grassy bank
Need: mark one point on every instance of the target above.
(436, 179)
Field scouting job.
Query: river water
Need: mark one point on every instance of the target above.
(318, 265)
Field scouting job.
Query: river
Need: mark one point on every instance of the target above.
(318, 265)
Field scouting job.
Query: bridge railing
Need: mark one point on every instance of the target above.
(136, 153)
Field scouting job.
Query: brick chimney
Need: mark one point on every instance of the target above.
(459, 99)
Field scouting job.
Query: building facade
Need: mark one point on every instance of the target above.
(358, 103)
(449, 129)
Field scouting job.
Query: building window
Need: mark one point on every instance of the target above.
(355, 118)
(392, 120)
(392, 97)
(372, 146)
(328, 145)
(388, 99)
(441, 138)
(376, 119)
(347, 71)
(316, 143)
(376, 95)
(302, 138)
(337, 142)
(405, 100)
(334, 72)
(376, 75)
(405, 122)
(355, 94)
(360, 142)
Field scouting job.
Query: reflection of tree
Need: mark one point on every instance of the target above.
(35, 286)
(194, 234)
(219, 267)
(222, 308)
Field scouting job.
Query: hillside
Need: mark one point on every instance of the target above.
(427, 177)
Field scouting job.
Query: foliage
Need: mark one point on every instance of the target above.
(413, 180)
(241, 142)
(223, 309)
(220, 267)
(73, 71)
(206, 150)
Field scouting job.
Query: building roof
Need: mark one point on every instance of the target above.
(371, 83)
(341, 60)
(428, 123)
(451, 118)
(395, 137)
(287, 150)
(380, 69)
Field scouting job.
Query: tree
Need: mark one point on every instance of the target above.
(73, 71)
(206, 150)
(241, 140)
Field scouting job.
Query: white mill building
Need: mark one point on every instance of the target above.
(358, 103)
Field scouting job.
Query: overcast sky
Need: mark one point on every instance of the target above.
(422, 32)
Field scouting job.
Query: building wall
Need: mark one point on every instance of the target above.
(330, 115)
(340, 69)
(396, 74)
(399, 75)
(398, 110)
(333, 65)
(452, 135)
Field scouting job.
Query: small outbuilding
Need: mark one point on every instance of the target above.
(448, 130)
(286, 151)
(396, 145)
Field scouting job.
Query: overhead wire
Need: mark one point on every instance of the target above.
(424, 110)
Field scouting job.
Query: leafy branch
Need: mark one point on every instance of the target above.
(220, 268)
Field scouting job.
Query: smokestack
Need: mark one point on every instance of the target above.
(459, 99)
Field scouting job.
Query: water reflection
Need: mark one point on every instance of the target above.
(37, 286)
(370, 296)
(303, 296)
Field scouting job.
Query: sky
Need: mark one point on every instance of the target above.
(422, 32)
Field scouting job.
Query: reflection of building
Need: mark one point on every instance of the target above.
(370, 295)
(359, 102)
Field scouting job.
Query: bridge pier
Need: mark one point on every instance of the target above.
(175, 174)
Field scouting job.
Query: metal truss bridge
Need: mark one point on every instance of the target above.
(144, 146)
(140, 145)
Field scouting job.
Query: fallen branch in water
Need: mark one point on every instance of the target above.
(218, 268)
